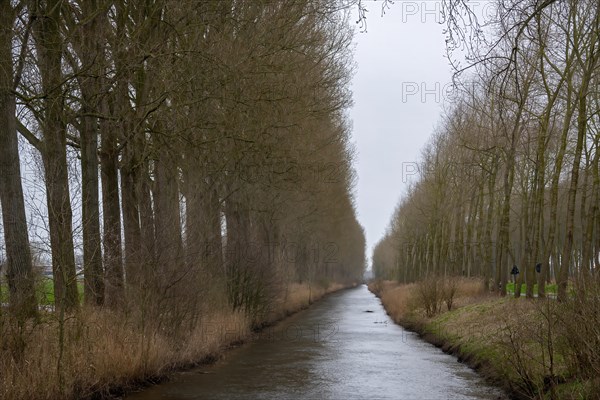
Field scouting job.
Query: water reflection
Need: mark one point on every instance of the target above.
(343, 347)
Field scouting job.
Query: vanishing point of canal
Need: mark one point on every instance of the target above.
(343, 347)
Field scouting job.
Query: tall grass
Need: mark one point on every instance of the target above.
(401, 300)
(397, 299)
(299, 296)
(103, 351)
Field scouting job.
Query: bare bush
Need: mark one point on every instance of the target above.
(531, 349)
(449, 290)
(430, 292)
(560, 342)
(436, 291)
(580, 322)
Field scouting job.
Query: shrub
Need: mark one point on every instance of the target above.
(560, 342)
(449, 289)
(580, 319)
(430, 292)
(434, 292)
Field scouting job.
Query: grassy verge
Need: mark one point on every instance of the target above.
(549, 289)
(509, 341)
(99, 354)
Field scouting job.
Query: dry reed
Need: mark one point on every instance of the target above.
(104, 351)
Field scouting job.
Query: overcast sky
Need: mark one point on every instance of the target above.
(398, 91)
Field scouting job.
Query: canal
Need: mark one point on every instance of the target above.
(343, 347)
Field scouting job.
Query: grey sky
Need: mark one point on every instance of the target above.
(398, 93)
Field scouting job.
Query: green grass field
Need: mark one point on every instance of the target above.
(550, 288)
(44, 291)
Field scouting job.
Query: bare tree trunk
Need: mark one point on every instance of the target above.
(92, 253)
(19, 264)
(593, 215)
(528, 263)
(482, 268)
(203, 225)
(503, 236)
(91, 54)
(131, 218)
(584, 217)
(470, 247)
(60, 217)
(554, 187)
(565, 259)
(539, 247)
(524, 247)
(491, 245)
(145, 200)
(169, 248)
(111, 214)
(194, 246)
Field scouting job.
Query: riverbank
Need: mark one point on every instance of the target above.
(514, 343)
(342, 347)
(100, 354)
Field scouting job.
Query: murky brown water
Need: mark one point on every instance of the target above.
(333, 350)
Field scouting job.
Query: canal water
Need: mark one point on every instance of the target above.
(343, 347)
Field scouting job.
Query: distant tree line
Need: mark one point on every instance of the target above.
(511, 174)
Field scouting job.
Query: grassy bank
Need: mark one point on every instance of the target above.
(98, 353)
(514, 343)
